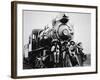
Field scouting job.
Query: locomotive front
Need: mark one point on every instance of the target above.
(61, 30)
(64, 31)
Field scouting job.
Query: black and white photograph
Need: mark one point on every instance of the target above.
(53, 39)
(50, 40)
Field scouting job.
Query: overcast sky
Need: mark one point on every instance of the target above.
(80, 21)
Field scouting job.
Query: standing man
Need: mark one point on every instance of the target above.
(55, 49)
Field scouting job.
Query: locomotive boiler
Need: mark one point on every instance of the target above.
(54, 47)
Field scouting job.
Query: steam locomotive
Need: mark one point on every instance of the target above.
(54, 47)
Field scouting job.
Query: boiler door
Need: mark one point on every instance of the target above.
(64, 32)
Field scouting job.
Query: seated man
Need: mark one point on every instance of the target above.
(73, 56)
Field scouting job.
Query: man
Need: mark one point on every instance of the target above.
(64, 52)
(80, 51)
(73, 56)
(55, 49)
